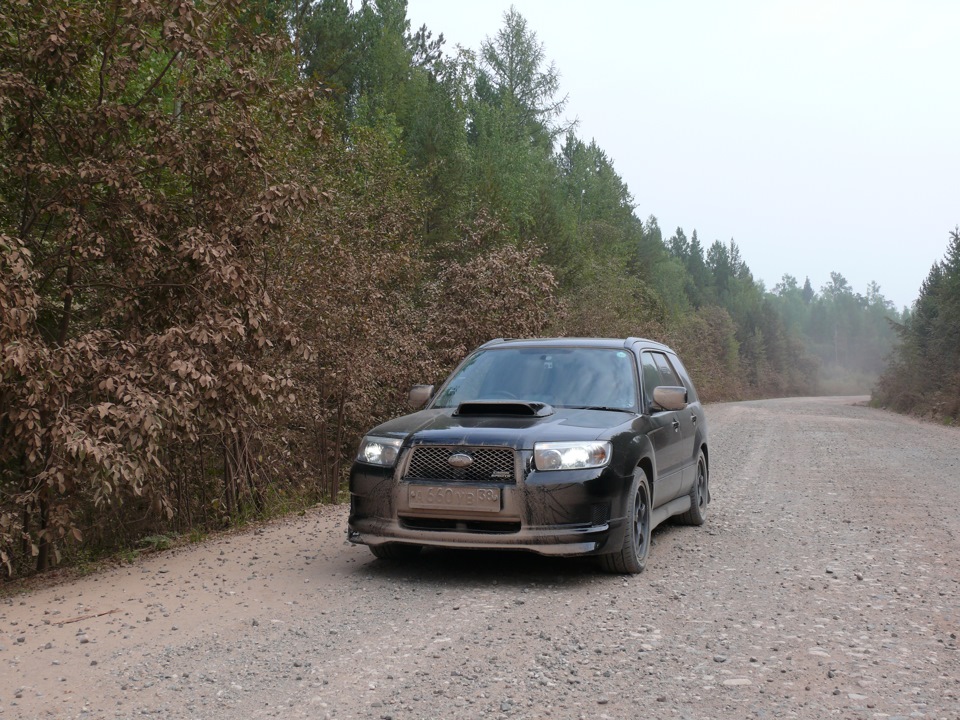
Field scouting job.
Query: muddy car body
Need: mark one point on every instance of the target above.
(559, 446)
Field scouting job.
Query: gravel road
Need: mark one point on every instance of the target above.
(825, 584)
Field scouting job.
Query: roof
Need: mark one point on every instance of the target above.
(611, 343)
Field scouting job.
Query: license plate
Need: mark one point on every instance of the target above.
(446, 497)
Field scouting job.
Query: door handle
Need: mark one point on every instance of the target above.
(694, 419)
(676, 425)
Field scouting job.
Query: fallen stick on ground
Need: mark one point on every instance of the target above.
(87, 617)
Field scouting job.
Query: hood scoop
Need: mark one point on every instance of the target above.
(510, 408)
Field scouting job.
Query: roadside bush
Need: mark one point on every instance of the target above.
(923, 373)
(136, 193)
(609, 302)
(486, 287)
(706, 340)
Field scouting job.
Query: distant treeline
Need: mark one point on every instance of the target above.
(923, 376)
(233, 234)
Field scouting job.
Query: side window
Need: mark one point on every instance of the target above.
(667, 372)
(651, 377)
(685, 376)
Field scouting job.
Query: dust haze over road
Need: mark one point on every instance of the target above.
(825, 584)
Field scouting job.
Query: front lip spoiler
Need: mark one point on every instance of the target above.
(556, 540)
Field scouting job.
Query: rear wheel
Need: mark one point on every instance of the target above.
(631, 557)
(699, 496)
(395, 551)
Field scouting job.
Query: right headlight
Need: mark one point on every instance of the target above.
(379, 450)
(571, 455)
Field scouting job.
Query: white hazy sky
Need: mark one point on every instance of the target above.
(820, 135)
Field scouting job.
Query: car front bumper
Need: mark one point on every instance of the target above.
(569, 512)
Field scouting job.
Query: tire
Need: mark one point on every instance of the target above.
(395, 551)
(631, 557)
(699, 495)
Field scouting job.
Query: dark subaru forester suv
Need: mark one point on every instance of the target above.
(565, 446)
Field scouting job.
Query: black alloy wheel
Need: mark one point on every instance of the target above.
(631, 557)
(699, 495)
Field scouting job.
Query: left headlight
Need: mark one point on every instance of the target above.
(379, 450)
(571, 455)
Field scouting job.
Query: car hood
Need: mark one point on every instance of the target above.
(444, 427)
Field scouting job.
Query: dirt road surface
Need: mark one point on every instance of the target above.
(825, 584)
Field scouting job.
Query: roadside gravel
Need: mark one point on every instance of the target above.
(825, 584)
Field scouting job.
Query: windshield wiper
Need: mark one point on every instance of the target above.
(598, 407)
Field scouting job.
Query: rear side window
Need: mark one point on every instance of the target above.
(667, 372)
(685, 376)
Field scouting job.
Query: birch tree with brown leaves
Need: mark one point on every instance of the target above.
(138, 180)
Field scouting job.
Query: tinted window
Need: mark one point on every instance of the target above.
(667, 372)
(562, 377)
(685, 376)
(651, 377)
(660, 369)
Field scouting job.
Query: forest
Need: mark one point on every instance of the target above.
(922, 376)
(234, 233)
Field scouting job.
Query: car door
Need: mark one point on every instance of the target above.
(686, 417)
(696, 426)
(666, 437)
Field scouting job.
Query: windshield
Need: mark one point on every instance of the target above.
(562, 377)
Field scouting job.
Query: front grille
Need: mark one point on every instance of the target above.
(489, 464)
(473, 526)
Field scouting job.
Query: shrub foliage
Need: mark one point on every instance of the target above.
(923, 375)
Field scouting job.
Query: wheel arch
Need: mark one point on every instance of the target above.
(646, 464)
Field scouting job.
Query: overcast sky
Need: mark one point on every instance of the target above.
(820, 135)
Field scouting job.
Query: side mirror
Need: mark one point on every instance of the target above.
(419, 395)
(670, 397)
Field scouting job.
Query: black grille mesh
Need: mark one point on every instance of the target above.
(489, 464)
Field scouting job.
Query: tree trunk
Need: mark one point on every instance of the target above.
(43, 557)
(67, 304)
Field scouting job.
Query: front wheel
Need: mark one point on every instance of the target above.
(699, 496)
(631, 557)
